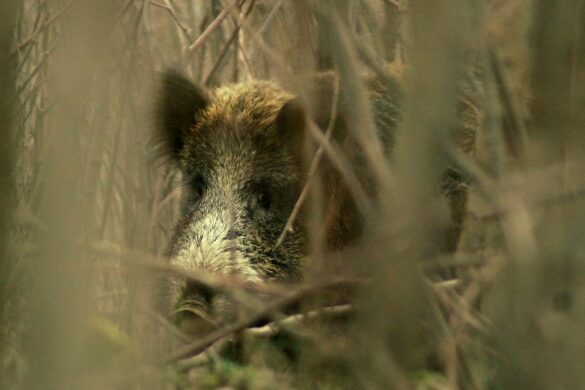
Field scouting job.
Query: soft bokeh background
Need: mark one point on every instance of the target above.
(86, 210)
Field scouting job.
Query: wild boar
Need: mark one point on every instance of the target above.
(240, 149)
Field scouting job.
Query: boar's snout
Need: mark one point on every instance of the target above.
(192, 313)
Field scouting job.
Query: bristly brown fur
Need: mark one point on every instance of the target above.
(241, 148)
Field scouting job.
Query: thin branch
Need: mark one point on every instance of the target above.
(217, 282)
(35, 34)
(314, 165)
(211, 28)
(268, 311)
(164, 323)
(278, 62)
(340, 163)
(517, 136)
(186, 30)
(269, 18)
(226, 46)
(43, 57)
(301, 319)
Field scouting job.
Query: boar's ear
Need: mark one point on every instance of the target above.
(290, 121)
(178, 104)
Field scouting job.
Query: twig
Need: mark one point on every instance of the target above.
(269, 310)
(359, 114)
(245, 57)
(34, 35)
(212, 26)
(109, 190)
(226, 46)
(165, 323)
(221, 56)
(272, 328)
(380, 69)
(340, 163)
(43, 57)
(517, 137)
(216, 282)
(454, 260)
(314, 165)
(269, 18)
(300, 319)
(540, 193)
(290, 323)
(220, 283)
(186, 30)
(30, 96)
(278, 62)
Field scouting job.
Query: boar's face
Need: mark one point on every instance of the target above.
(239, 149)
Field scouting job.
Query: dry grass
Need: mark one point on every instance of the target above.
(86, 211)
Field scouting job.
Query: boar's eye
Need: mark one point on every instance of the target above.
(197, 187)
(264, 199)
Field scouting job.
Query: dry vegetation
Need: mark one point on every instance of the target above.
(86, 211)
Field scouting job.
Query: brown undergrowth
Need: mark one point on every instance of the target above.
(86, 212)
